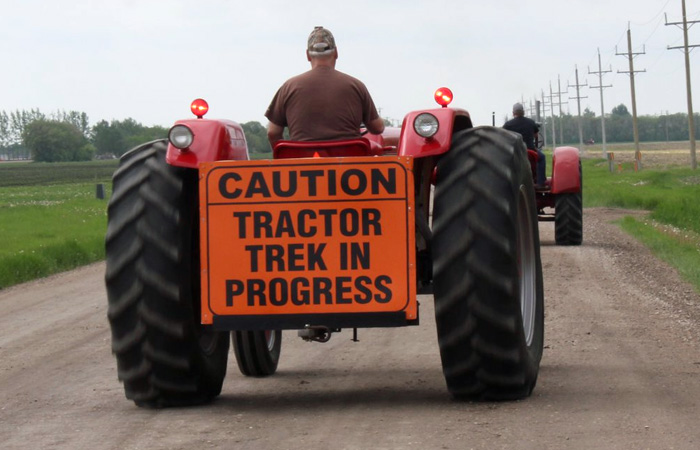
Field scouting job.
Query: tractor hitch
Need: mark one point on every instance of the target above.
(316, 333)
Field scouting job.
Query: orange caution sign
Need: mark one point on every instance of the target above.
(307, 236)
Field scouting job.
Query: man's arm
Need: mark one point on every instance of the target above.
(274, 133)
(376, 126)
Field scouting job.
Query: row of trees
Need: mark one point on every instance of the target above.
(68, 136)
(12, 124)
(118, 136)
(618, 127)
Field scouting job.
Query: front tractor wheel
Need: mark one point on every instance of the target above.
(165, 357)
(257, 352)
(489, 301)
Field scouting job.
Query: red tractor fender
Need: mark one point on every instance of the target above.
(450, 120)
(214, 140)
(566, 170)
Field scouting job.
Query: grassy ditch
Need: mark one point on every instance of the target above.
(672, 228)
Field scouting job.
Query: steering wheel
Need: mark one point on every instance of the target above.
(539, 141)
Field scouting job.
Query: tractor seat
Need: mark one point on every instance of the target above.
(325, 149)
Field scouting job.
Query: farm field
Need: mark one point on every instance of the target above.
(655, 155)
(31, 174)
(50, 222)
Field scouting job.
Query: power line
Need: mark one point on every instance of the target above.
(655, 15)
(656, 28)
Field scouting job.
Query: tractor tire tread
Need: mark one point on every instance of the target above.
(479, 335)
(150, 287)
(568, 219)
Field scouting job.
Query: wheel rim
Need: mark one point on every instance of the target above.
(526, 266)
(270, 338)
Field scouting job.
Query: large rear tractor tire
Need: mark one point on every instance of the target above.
(165, 357)
(489, 301)
(257, 352)
(568, 219)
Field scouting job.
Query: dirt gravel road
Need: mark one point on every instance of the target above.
(621, 370)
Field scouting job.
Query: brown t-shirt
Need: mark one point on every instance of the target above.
(322, 105)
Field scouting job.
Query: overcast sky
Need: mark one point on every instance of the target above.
(148, 59)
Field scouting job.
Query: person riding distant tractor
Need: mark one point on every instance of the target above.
(322, 104)
(529, 130)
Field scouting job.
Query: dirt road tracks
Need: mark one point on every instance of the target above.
(621, 370)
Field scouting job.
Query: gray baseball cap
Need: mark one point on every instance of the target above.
(320, 42)
(518, 107)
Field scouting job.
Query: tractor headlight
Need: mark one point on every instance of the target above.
(180, 136)
(426, 125)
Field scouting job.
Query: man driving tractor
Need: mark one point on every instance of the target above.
(322, 104)
(529, 130)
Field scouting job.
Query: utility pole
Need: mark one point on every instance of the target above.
(630, 56)
(554, 117)
(561, 127)
(600, 86)
(686, 50)
(578, 102)
(544, 116)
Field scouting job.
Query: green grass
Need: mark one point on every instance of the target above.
(50, 228)
(671, 196)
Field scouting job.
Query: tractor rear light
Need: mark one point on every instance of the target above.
(443, 96)
(426, 125)
(199, 107)
(181, 136)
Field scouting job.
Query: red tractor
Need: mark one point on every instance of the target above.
(206, 248)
